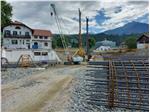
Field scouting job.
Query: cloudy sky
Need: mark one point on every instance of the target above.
(102, 15)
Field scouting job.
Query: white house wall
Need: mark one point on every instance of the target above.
(13, 55)
(22, 30)
(52, 56)
(7, 43)
(41, 44)
(142, 45)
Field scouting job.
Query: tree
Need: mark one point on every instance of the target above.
(54, 43)
(131, 42)
(6, 13)
(91, 42)
(59, 42)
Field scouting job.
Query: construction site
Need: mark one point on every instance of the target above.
(83, 81)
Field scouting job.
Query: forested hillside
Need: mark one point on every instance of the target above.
(72, 40)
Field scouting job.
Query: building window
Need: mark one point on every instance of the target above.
(35, 45)
(45, 44)
(37, 53)
(20, 32)
(27, 40)
(28, 46)
(27, 33)
(45, 37)
(44, 53)
(14, 42)
(41, 37)
(23, 41)
(14, 32)
(7, 32)
(35, 37)
(17, 27)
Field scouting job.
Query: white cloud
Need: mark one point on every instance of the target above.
(129, 12)
(37, 14)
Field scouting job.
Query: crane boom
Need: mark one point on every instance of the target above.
(60, 29)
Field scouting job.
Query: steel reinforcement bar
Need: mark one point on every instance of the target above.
(123, 84)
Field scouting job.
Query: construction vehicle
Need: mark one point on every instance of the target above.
(79, 55)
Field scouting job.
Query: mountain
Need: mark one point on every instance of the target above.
(129, 28)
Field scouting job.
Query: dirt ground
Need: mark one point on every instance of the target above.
(42, 92)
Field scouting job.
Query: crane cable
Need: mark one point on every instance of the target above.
(59, 28)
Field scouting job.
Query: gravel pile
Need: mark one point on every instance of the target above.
(77, 102)
(16, 73)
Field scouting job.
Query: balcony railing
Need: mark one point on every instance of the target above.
(17, 36)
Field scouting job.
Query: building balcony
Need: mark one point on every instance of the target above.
(16, 46)
(17, 36)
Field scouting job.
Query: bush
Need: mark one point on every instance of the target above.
(131, 42)
(91, 42)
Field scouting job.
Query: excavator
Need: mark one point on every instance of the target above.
(79, 55)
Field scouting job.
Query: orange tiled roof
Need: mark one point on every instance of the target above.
(39, 32)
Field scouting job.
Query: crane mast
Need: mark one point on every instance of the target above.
(87, 36)
(80, 38)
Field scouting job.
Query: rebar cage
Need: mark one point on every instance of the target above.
(119, 83)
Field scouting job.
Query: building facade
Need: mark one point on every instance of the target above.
(19, 39)
(143, 41)
(105, 42)
(19, 36)
(103, 48)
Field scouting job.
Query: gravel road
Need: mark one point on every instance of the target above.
(32, 90)
(58, 89)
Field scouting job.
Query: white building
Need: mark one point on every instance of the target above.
(103, 48)
(18, 35)
(105, 43)
(143, 41)
(19, 39)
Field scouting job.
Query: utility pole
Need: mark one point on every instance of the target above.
(80, 38)
(87, 36)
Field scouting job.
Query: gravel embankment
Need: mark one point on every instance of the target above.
(12, 74)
